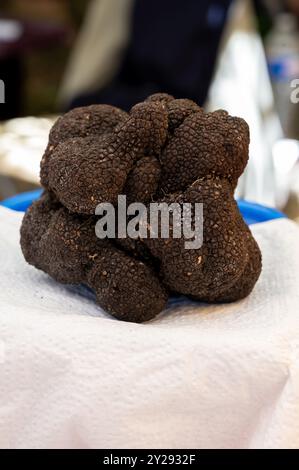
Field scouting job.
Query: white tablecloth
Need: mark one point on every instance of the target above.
(218, 376)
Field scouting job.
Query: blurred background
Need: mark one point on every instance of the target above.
(241, 55)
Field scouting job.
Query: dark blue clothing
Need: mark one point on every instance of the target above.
(173, 48)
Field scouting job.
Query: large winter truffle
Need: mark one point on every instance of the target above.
(165, 150)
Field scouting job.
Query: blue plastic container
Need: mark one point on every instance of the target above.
(21, 202)
(252, 213)
(255, 213)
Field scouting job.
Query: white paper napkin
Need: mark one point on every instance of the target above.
(217, 376)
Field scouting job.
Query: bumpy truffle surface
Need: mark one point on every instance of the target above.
(227, 258)
(126, 287)
(212, 144)
(80, 122)
(165, 150)
(143, 181)
(65, 246)
(90, 169)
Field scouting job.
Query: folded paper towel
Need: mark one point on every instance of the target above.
(198, 376)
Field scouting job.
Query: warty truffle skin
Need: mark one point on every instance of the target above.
(86, 171)
(35, 223)
(60, 243)
(205, 144)
(227, 265)
(163, 150)
(81, 122)
(177, 109)
(66, 247)
(126, 287)
(143, 180)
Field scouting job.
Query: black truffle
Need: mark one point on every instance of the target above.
(165, 150)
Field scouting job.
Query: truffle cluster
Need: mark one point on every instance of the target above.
(165, 149)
